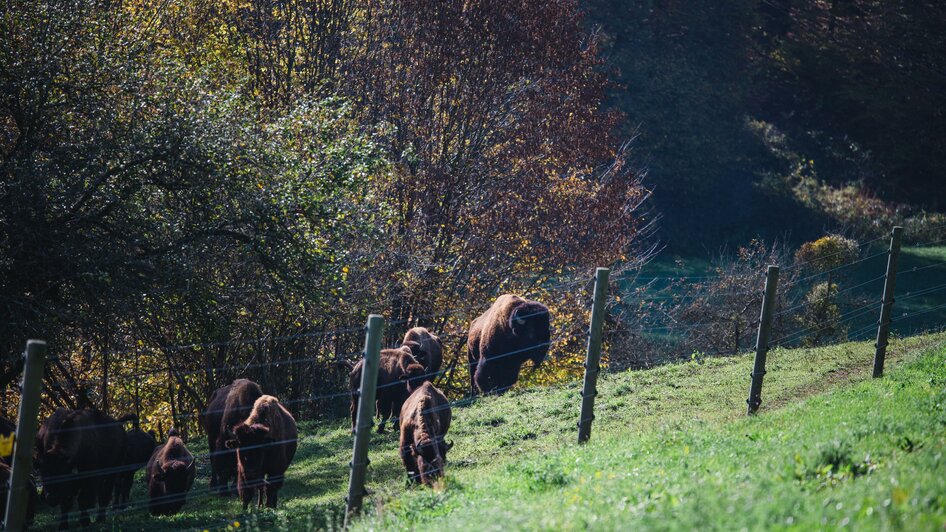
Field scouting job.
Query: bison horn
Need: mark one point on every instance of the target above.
(449, 445)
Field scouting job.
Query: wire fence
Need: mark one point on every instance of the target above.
(849, 319)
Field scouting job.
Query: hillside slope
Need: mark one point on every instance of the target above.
(670, 448)
(672, 451)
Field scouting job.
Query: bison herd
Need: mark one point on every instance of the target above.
(86, 458)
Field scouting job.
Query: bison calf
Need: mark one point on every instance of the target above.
(171, 472)
(226, 407)
(265, 443)
(431, 349)
(399, 373)
(425, 420)
(512, 331)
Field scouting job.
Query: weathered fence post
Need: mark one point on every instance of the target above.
(26, 425)
(762, 339)
(365, 418)
(593, 358)
(886, 306)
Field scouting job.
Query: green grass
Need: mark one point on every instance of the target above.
(670, 448)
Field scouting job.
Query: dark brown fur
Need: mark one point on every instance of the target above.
(226, 407)
(399, 374)
(425, 420)
(79, 455)
(171, 472)
(265, 443)
(503, 338)
(138, 448)
(431, 349)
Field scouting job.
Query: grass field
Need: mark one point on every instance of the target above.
(671, 448)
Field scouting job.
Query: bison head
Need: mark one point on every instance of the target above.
(55, 468)
(176, 475)
(530, 323)
(415, 376)
(431, 456)
(250, 442)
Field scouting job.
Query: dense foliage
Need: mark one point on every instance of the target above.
(192, 192)
(852, 90)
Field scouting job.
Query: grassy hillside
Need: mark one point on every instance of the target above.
(670, 448)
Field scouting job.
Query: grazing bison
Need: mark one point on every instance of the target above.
(171, 472)
(5, 475)
(425, 420)
(512, 331)
(431, 349)
(265, 443)
(138, 448)
(80, 453)
(399, 373)
(226, 407)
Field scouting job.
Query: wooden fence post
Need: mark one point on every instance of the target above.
(593, 358)
(762, 339)
(886, 306)
(365, 418)
(26, 424)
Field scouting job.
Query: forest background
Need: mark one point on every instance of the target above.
(193, 191)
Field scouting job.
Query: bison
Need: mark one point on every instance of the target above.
(171, 472)
(226, 407)
(138, 448)
(265, 443)
(399, 373)
(431, 349)
(80, 453)
(512, 331)
(425, 420)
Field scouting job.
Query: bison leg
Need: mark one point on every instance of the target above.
(64, 509)
(384, 410)
(272, 488)
(354, 412)
(86, 501)
(409, 464)
(104, 496)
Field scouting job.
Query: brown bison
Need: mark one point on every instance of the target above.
(171, 472)
(399, 373)
(425, 420)
(138, 448)
(5, 475)
(512, 331)
(431, 349)
(80, 453)
(265, 443)
(226, 407)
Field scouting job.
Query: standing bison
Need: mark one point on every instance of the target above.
(425, 420)
(265, 443)
(431, 349)
(138, 448)
(399, 373)
(171, 472)
(512, 331)
(226, 407)
(79, 454)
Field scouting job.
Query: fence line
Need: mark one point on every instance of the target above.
(787, 337)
